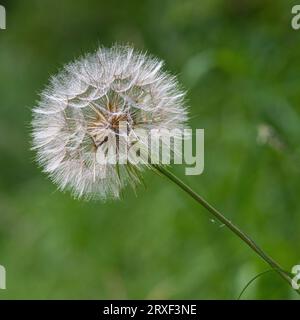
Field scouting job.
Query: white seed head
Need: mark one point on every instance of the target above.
(84, 104)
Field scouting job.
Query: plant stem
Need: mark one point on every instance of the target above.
(236, 230)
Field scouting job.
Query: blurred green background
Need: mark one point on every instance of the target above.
(239, 61)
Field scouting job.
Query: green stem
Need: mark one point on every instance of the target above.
(236, 230)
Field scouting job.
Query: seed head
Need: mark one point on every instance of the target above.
(84, 105)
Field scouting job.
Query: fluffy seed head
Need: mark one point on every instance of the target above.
(85, 103)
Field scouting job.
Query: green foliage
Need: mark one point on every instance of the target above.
(239, 61)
